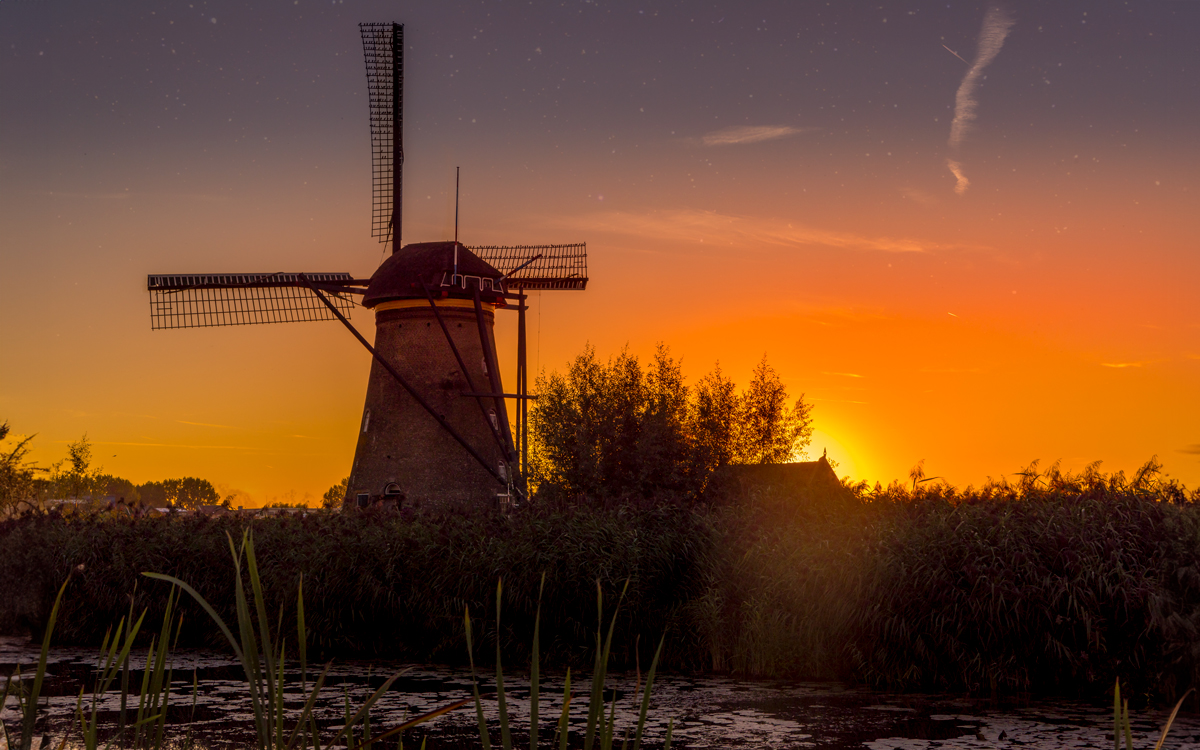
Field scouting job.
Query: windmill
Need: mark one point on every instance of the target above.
(435, 427)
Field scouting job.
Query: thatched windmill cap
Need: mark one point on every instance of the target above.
(402, 274)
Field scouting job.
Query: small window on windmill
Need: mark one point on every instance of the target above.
(364, 498)
(366, 420)
(492, 418)
(503, 467)
(483, 361)
(392, 490)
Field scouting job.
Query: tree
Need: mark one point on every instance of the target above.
(75, 476)
(153, 494)
(188, 493)
(111, 486)
(336, 495)
(614, 430)
(769, 432)
(586, 426)
(664, 447)
(17, 476)
(714, 421)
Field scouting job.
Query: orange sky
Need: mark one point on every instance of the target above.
(1049, 312)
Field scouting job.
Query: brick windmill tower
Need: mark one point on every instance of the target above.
(435, 428)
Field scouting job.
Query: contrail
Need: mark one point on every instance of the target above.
(996, 25)
(963, 182)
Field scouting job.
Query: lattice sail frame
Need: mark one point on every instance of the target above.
(561, 267)
(209, 300)
(383, 49)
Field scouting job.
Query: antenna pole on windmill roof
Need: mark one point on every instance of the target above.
(456, 220)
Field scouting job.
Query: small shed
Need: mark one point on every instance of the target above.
(800, 485)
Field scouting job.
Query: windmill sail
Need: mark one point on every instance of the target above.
(207, 300)
(561, 267)
(383, 48)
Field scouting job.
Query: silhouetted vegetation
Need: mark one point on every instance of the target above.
(1056, 582)
(26, 485)
(616, 430)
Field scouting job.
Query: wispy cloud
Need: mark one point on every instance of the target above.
(920, 196)
(1121, 365)
(962, 183)
(204, 424)
(709, 227)
(749, 134)
(843, 374)
(996, 25)
(169, 445)
(121, 195)
(1191, 450)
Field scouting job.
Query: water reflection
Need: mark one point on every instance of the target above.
(708, 712)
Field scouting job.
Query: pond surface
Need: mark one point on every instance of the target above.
(707, 712)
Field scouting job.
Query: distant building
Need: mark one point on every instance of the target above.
(808, 484)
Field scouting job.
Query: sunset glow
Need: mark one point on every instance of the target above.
(966, 233)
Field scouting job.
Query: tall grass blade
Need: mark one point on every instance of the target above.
(264, 627)
(4, 701)
(409, 724)
(366, 707)
(30, 706)
(302, 635)
(1171, 719)
(484, 740)
(534, 669)
(125, 666)
(1128, 727)
(596, 704)
(606, 740)
(306, 712)
(564, 717)
(117, 662)
(1117, 715)
(637, 740)
(501, 703)
(144, 693)
(670, 726)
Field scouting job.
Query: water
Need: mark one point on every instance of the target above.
(708, 712)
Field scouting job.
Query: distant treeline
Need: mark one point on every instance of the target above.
(1059, 583)
(25, 484)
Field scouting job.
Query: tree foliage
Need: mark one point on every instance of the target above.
(769, 430)
(616, 429)
(18, 477)
(336, 495)
(187, 493)
(75, 476)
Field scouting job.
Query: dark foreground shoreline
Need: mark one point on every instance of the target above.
(990, 592)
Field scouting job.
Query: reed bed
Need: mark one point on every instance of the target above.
(1056, 583)
(262, 653)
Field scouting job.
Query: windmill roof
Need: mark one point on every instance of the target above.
(401, 275)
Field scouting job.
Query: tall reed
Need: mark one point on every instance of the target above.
(597, 727)
(1051, 582)
(265, 674)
